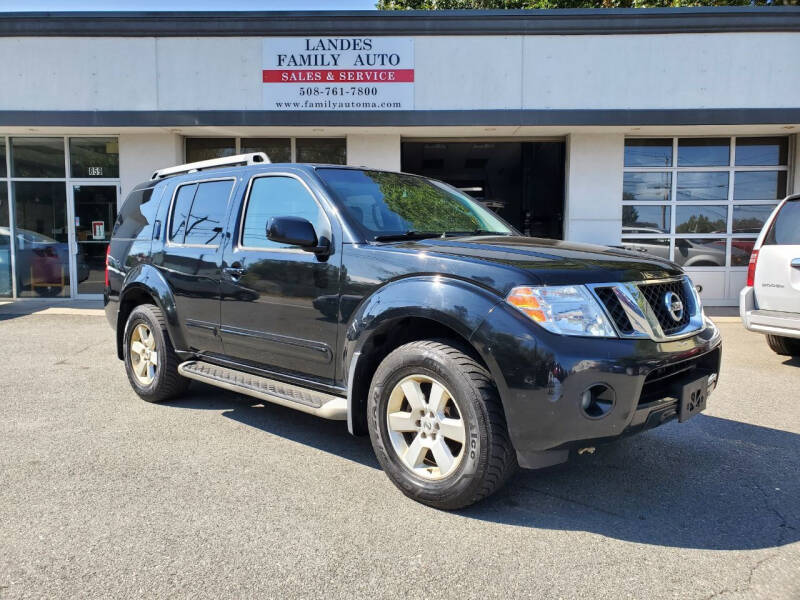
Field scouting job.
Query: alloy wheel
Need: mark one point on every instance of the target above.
(426, 427)
(144, 354)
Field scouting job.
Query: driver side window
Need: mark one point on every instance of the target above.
(277, 196)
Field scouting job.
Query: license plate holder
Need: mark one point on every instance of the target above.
(692, 397)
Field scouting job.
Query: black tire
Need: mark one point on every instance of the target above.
(166, 383)
(488, 459)
(784, 346)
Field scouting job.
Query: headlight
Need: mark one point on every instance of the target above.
(568, 310)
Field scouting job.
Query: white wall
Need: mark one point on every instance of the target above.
(376, 151)
(141, 154)
(723, 70)
(594, 188)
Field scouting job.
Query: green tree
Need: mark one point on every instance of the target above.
(503, 4)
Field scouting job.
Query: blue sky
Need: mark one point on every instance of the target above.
(179, 5)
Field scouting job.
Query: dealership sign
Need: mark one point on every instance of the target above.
(338, 73)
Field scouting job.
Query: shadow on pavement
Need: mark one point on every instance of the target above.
(710, 483)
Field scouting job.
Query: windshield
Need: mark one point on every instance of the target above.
(394, 204)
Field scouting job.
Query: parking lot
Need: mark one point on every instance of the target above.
(214, 495)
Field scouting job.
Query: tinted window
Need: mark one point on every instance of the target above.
(180, 212)
(278, 150)
(37, 157)
(331, 151)
(207, 215)
(701, 219)
(700, 152)
(278, 197)
(94, 157)
(646, 187)
(136, 215)
(648, 153)
(711, 185)
(2, 158)
(646, 218)
(786, 228)
(762, 151)
(759, 185)
(207, 148)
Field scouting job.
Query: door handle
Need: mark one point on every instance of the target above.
(235, 272)
(796, 263)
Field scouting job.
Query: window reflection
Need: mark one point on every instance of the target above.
(700, 252)
(759, 185)
(278, 150)
(646, 187)
(646, 218)
(648, 152)
(710, 185)
(762, 151)
(701, 219)
(750, 219)
(207, 148)
(37, 157)
(703, 152)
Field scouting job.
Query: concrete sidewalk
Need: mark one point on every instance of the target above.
(52, 307)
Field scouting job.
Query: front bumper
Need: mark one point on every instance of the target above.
(766, 321)
(541, 378)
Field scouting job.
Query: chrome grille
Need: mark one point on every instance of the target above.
(656, 293)
(639, 310)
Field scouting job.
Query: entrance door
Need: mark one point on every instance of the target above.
(94, 211)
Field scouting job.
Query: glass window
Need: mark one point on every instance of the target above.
(703, 152)
(700, 252)
(37, 157)
(180, 212)
(3, 158)
(329, 151)
(786, 228)
(94, 157)
(5, 243)
(759, 185)
(701, 219)
(278, 197)
(653, 246)
(646, 218)
(750, 219)
(207, 148)
(279, 150)
(646, 187)
(741, 249)
(207, 216)
(762, 151)
(710, 185)
(389, 204)
(41, 239)
(648, 153)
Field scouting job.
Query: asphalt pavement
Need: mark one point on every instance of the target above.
(105, 496)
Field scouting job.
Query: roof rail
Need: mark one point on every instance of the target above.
(226, 161)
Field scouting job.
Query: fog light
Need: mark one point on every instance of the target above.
(597, 401)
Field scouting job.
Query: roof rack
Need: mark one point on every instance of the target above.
(226, 161)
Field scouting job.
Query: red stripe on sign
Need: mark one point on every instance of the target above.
(338, 75)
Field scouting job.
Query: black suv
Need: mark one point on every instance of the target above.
(402, 306)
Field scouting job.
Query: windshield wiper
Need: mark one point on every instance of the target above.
(476, 232)
(408, 235)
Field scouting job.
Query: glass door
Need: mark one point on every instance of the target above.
(94, 211)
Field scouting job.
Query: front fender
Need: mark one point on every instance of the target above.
(457, 304)
(146, 279)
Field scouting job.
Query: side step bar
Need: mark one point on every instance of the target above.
(300, 398)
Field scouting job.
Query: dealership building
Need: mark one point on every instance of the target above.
(673, 132)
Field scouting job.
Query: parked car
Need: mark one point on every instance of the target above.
(401, 305)
(770, 303)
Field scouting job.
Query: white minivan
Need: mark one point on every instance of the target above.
(770, 303)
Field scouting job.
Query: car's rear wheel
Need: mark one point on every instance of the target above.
(150, 359)
(784, 346)
(437, 425)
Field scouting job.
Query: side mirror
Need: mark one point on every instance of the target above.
(682, 244)
(295, 231)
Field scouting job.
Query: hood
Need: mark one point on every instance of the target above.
(552, 262)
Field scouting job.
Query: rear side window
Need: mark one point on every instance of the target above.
(198, 213)
(785, 230)
(278, 196)
(137, 215)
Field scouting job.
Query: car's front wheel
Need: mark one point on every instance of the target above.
(150, 359)
(784, 346)
(437, 425)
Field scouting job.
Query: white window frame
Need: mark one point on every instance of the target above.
(729, 203)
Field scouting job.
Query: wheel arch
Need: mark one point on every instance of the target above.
(406, 311)
(145, 285)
